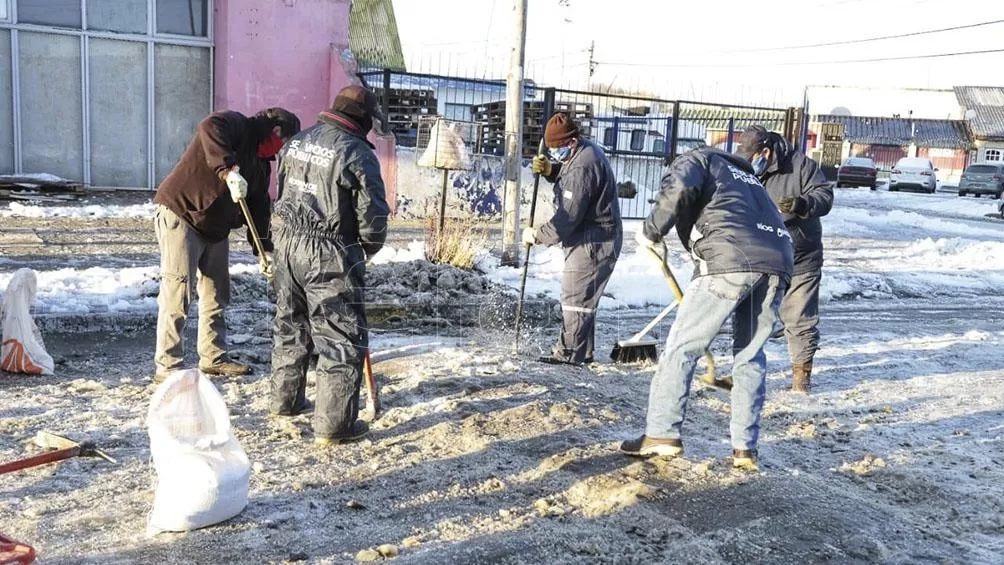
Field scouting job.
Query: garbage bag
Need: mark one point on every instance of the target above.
(446, 149)
(22, 349)
(202, 470)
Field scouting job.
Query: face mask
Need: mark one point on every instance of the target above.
(270, 146)
(560, 153)
(759, 165)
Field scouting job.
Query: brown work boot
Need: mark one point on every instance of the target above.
(645, 446)
(225, 369)
(802, 374)
(358, 430)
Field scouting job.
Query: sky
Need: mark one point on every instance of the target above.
(713, 50)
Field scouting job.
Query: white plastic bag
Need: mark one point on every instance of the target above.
(22, 349)
(202, 470)
(446, 149)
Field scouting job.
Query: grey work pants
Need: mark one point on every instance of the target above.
(187, 258)
(800, 315)
(587, 270)
(319, 310)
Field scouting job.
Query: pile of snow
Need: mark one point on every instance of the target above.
(942, 204)
(93, 211)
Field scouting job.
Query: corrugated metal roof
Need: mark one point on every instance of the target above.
(987, 102)
(373, 35)
(897, 131)
(714, 117)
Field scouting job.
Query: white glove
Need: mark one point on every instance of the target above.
(644, 241)
(237, 184)
(529, 236)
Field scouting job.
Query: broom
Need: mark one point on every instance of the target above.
(709, 377)
(636, 350)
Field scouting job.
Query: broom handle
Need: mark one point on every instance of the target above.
(526, 252)
(678, 293)
(662, 315)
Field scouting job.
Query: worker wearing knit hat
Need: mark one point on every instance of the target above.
(586, 224)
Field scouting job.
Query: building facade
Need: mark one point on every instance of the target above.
(109, 92)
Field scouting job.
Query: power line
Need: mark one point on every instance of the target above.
(802, 63)
(870, 39)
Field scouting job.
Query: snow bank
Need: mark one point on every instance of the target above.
(16, 209)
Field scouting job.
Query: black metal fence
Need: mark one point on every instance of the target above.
(640, 134)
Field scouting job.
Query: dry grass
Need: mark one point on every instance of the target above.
(458, 244)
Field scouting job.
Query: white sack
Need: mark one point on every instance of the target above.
(22, 348)
(202, 470)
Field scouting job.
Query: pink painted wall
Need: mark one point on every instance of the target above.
(288, 53)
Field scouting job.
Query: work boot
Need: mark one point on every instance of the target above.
(645, 446)
(801, 380)
(225, 369)
(745, 459)
(358, 430)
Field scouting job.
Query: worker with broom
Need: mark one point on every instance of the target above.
(798, 187)
(330, 217)
(587, 225)
(226, 163)
(743, 263)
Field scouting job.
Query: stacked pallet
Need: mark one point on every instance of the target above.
(405, 106)
(491, 117)
(40, 187)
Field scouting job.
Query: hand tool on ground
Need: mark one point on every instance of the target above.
(707, 378)
(64, 449)
(373, 407)
(526, 252)
(635, 349)
(266, 265)
(13, 551)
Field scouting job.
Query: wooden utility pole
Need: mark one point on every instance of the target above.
(514, 138)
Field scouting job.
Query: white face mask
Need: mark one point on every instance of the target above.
(560, 153)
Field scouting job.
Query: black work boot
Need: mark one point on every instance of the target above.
(801, 377)
(645, 446)
(304, 408)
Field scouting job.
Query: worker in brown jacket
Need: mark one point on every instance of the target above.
(226, 161)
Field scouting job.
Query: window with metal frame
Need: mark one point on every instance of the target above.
(608, 138)
(637, 140)
(659, 146)
(56, 13)
(4, 11)
(183, 17)
(992, 155)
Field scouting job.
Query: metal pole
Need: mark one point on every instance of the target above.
(442, 200)
(675, 137)
(514, 138)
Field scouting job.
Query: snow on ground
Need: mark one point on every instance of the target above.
(484, 456)
(95, 211)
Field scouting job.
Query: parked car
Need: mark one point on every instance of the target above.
(982, 179)
(914, 173)
(857, 171)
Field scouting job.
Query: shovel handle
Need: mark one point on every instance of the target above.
(50, 457)
(371, 384)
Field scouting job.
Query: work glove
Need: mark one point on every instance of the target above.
(529, 236)
(541, 165)
(797, 206)
(237, 184)
(645, 242)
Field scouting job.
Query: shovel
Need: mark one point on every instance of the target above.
(265, 264)
(64, 449)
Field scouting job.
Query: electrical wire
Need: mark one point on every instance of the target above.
(801, 63)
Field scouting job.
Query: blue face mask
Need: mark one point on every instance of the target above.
(759, 165)
(560, 153)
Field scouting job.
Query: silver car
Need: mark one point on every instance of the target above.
(914, 173)
(982, 179)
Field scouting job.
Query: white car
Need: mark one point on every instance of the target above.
(914, 173)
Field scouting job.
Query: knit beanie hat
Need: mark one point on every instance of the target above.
(560, 130)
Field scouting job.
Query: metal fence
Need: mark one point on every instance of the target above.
(639, 134)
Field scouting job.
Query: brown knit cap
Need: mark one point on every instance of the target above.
(560, 130)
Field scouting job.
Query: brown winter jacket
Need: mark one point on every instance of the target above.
(195, 189)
